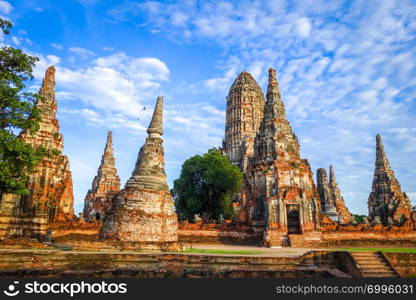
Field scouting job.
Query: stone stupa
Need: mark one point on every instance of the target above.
(142, 215)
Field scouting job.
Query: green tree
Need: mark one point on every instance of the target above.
(359, 218)
(17, 112)
(206, 186)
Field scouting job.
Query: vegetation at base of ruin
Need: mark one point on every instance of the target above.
(17, 113)
(400, 250)
(206, 186)
(220, 251)
(359, 218)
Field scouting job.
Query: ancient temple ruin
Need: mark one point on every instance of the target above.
(104, 186)
(50, 185)
(279, 204)
(342, 210)
(279, 192)
(328, 206)
(332, 203)
(387, 204)
(142, 214)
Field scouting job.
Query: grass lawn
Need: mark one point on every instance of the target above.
(219, 251)
(402, 250)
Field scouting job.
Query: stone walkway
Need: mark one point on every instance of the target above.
(277, 252)
(282, 252)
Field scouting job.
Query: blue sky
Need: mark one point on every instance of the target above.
(346, 71)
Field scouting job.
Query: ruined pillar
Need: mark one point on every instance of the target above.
(325, 195)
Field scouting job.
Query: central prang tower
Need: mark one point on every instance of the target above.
(245, 104)
(278, 194)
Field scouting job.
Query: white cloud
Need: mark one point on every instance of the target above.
(57, 46)
(5, 7)
(199, 122)
(115, 83)
(108, 119)
(15, 41)
(222, 84)
(303, 27)
(179, 18)
(82, 52)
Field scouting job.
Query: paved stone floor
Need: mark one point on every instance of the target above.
(285, 251)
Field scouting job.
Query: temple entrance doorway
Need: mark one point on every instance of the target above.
(293, 221)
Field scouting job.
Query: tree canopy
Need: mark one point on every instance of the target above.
(17, 112)
(359, 218)
(206, 187)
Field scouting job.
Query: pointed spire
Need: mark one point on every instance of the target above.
(108, 150)
(382, 163)
(150, 164)
(107, 159)
(386, 198)
(273, 91)
(105, 184)
(48, 125)
(274, 104)
(47, 91)
(274, 123)
(156, 126)
(332, 178)
(49, 75)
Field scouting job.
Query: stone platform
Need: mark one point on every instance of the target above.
(56, 264)
(269, 263)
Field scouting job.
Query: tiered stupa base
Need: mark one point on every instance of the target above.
(145, 221)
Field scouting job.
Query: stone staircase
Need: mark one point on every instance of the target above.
(373, 264)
